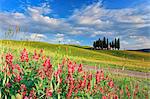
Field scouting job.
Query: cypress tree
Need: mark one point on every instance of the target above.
(118, 43)
(99, 43)
(107, 43)
(112, 44)
(104, 42)
(115, 45)
(94, 44)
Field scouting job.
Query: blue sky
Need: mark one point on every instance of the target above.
(78, 21)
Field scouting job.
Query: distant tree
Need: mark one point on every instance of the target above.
(97, 44)
(115, 44)
(104, 42)
(101, 44)
(118, 43)
(107, 43)
(59, 42)
(110, 45)
(99, 40)
(94, 45)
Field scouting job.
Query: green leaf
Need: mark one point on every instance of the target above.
(0, 94)
(4, 80)
(13, 97)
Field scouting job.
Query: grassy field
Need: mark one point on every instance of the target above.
(132, 60)
(23, 75)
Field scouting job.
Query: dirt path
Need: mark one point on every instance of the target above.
(121, 72)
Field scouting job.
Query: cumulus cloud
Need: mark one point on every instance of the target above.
(37, 37)
(89, 15)
(101, 33)
(132, 25)
(93, 16)
(59, 35)
(62, 39)
(116, 23)
(34, 21)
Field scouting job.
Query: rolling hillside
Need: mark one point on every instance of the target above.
(131, 60)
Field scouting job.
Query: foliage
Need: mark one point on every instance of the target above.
(131, 60)
(105, 44)
(32, 75)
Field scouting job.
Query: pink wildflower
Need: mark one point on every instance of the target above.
(49, 92)
(80, 68)
(9, 58)
(36, 56)
(24, 56)
(111, 84)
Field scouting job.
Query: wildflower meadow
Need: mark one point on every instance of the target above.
(27, 75)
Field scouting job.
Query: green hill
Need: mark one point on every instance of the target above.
(132, 60)
(135, 55)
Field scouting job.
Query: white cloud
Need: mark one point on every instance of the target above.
(97, 33)
(34, 22)
(136, 42)
(93, 16)
(37, 37)
(61, 38)
(18, 15)
(43, 9)
(89, 15)
(116, 23)
(59, 35)
(124, 42)
(72, 41)
(89, 21)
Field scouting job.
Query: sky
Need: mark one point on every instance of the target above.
(77, 21)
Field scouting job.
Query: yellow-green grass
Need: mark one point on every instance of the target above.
(131, 60)
(134, 55)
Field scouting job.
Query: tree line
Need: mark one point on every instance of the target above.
(104, 44)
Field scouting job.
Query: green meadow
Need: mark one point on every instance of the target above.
(130, 60)
(113, 85)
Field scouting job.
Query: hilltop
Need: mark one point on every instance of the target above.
(131, 60)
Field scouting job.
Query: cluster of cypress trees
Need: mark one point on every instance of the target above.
(106, 45)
